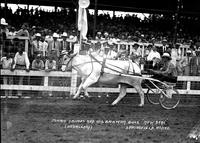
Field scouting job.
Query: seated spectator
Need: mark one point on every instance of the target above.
(7, 62)
(21, 62)
(37, 63)
(168, 72)
(50, 64)
(23, 31)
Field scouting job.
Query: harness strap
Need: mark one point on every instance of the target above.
(103, 66)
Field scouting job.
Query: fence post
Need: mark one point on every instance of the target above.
(74, 73)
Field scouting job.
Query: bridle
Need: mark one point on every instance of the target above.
(70, 60)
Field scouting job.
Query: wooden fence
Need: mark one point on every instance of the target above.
(73, 85)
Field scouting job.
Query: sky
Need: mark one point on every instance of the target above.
(117, 13)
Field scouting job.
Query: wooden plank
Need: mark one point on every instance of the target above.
(91, 89)
(35, 88)
(36, 73)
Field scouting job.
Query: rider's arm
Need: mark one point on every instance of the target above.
(168, 70)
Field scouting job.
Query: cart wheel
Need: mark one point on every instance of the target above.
(153, 96)
(169, 103)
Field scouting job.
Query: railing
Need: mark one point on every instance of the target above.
(73, 85)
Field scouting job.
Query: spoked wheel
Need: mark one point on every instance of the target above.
(153, 96)
(169, 103)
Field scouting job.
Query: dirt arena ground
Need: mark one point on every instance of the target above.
(52, 120)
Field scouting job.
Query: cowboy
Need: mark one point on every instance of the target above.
(168, 72)
(4, 31)
(64, 42)
(54, 47)
(37, 44)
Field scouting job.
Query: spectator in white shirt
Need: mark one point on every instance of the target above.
(37, 45)
(153, 53)
(21, 62)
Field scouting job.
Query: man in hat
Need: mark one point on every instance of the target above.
(4, 30)
(64, 42)
(37, 45)
(98, 36)
(54, 47)
(168, 72)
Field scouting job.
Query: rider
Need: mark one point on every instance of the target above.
(168, 72)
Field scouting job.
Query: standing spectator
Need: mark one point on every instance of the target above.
(195, 68)
(54, 47)
(7, 62)
(37, 45)
(21, 62)
(153, 53)
(23, 31)
(50, 65)
(4, 30)
(175, 54)
(65, 43)
(3, 35)
(44, 47)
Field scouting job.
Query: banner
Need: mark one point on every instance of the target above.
(82, 22)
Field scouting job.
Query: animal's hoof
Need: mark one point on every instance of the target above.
(140, 105)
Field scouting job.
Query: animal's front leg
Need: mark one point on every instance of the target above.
(121, 94)
(138, 88)
(78, 91)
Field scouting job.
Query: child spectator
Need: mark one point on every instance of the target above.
(50, 65)
(7, 62)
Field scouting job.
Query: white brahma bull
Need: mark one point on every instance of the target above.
(94, 69)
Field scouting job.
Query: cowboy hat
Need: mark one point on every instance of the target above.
(3, 21)
(64, 34)
(38, 34)
(55, 35)
(167, 55)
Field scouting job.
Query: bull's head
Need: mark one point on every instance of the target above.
(67, 61)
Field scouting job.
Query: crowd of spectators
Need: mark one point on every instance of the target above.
(53, 34)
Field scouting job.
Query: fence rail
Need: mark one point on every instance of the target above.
(46, 87)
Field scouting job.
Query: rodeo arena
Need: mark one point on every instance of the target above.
(97, 71)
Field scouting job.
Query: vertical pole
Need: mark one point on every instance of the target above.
(176, 22)
(95, 18)
(6, 7)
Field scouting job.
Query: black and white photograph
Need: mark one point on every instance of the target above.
(100, 71)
